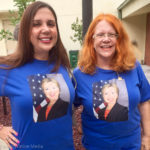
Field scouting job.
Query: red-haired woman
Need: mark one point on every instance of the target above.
(107, 58)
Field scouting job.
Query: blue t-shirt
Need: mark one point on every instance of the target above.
(108, 125)
(24, 87)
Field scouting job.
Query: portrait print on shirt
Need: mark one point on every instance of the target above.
(49, 100)
(110, 100)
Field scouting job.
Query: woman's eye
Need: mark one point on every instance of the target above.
(51, 23)
(36, 24)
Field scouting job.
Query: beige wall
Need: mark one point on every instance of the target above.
(136, 27)
(105, 6)
(10, 44)
(3, 51)
(6, 46)
(6, 5)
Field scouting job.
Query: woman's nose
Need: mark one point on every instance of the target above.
(106, 38)
(45, 28)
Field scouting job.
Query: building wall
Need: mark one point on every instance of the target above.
(147, 46)
(6, 5)
(10, 44)
(105, 6)
(136, 28)
(6, 46)
(2, 43)
(68, 10)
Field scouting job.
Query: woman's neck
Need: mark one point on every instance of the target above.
(104, 65)
(41, 56)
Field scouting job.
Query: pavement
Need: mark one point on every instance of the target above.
(3, 146)
(146, 70)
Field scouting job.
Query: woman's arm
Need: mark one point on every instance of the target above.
(77, 123)
(145, 122)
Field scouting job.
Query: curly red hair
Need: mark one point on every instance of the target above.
(123, 59)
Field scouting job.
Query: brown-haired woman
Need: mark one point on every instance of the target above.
(40, 53)
(107, 58)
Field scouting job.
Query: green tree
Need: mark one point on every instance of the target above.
(15, 17)
(77, 28)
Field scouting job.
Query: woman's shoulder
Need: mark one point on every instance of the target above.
(137, 64)
(63, 69)
(3, 66)
(76, 71)
(79, 75)
(4, 69)
(138, 68)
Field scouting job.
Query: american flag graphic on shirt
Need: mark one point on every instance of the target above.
(35, 85)
(97, 95)
(39, 99)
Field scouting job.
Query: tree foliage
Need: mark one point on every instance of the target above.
(77, 28)
(15, 17)
(5, 34)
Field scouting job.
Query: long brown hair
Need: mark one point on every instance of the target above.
(123, 59)
(25, 52)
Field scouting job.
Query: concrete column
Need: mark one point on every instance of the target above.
(3, 50)
(147, 42)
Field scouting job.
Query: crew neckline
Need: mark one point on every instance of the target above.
(104, 70)
(38, 60)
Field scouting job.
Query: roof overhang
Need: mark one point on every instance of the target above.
(133, 8)
(6, 14)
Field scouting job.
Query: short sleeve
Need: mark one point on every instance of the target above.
(3, 78)
(144, 85)
(77, 101)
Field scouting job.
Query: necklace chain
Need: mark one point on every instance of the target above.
(119, 77)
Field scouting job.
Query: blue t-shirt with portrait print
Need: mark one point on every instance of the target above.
(116, 127)
(23, 87)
